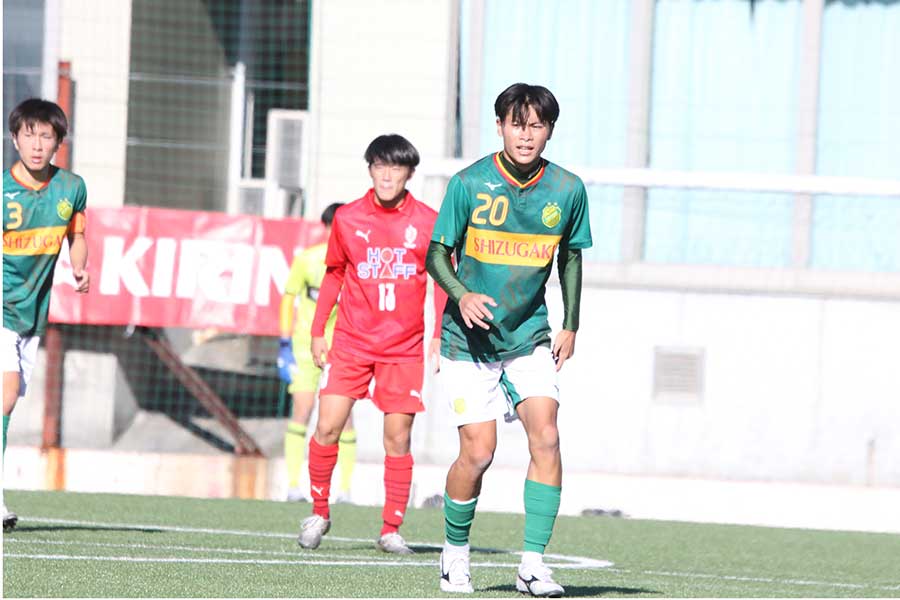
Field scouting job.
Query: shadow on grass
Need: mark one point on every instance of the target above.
(437, 548)
(579, 591)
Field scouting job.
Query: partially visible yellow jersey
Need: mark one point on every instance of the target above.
(303, 282)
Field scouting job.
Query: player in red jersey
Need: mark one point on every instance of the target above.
(376, 262)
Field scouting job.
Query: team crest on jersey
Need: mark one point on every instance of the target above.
(410, 237)
(385, 263)
(64, 209)
(551, 215)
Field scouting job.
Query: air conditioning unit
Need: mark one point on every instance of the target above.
(252, 196)
(286, 162)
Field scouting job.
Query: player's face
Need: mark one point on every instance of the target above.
(523, 143)
(36, 145)
(389, 181)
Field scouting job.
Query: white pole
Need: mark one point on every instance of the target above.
(236, 138)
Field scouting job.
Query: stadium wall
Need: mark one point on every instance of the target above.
(849, 508)
(95, 35)
(792, 388)
(363, 83)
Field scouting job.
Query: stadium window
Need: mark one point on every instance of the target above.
(859, 135)
(23, 52)
(185, 56)
(723, 99)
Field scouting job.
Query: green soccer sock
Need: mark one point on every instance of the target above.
(541, 508)
(347, 457)
(458, 517)
(294, 451)
(5, 430)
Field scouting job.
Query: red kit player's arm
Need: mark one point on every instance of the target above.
(328, 295)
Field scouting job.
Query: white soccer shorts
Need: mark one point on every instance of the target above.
(19, 356)
(477, 392)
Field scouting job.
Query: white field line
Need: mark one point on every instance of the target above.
(581, 562)
(571, 562)
(431, 564)
(199, 549)
(230, 561)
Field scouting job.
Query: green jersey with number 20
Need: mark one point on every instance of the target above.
(505, 234)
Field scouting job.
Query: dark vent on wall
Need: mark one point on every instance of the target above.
(678, 374)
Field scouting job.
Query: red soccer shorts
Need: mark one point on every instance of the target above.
(398, 386)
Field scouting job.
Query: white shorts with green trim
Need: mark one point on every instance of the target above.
(19, 355)
(477, 392)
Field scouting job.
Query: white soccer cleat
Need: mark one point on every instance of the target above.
(9, 520)
(537, 581)
(311, 531)
(296, 495)
(455, 576)
(393, 543)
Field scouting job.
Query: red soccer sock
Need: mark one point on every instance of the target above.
(397, 481)
(321, 466)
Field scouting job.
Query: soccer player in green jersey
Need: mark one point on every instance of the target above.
(42, 204)
(296, 366)
(504, 217)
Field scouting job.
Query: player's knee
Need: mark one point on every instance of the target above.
(9, 400)
(327, 434)
(397, 443)
(478, 459)
(544, 439)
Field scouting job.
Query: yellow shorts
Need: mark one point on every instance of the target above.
(306, 377)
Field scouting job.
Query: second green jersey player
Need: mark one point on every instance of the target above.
(504, 219)
(42, 206)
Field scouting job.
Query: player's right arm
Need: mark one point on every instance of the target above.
(328, 295)
(449, 230)
(472, 306)
(336, 267)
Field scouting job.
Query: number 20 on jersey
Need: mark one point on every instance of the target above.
(490, 210)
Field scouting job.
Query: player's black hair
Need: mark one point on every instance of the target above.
(328, 213)
(517, 98)
(392, 149)
(35, 110)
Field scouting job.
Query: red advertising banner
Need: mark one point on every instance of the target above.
(174, 268)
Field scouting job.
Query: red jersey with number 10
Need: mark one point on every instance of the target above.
(381, 308)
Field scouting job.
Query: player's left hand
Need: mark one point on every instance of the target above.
(434, 354)
(563, 347)
(82, 280)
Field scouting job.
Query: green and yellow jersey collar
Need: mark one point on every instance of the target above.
(511, 178)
